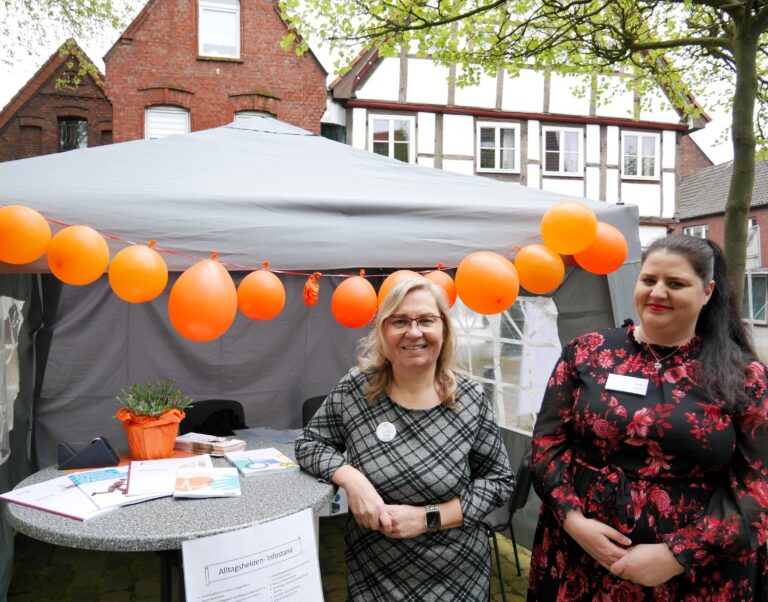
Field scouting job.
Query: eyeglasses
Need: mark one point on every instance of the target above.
(403, 324)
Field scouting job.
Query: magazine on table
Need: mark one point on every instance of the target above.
(194, 482)
(207, 444)
(58, 496)
(159, 476)
(108, 487)
(252, 462)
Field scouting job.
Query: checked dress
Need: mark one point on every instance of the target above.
(435, 455)
(670, 466)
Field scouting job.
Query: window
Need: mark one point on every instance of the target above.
(562, 151)
(753, 244)
(697, 231)
(392, 137)
(73, 133)
(160, 122)
(250, 116)
(497, 146)
(219, 28)
(640, 157)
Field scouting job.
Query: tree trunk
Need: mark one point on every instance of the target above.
(743, 174)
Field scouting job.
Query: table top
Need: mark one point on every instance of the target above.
(164, 523)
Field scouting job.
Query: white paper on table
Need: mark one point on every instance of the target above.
(59, 496)
(270, 562)
(159, 476)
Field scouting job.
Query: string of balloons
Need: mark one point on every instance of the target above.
(203, 302)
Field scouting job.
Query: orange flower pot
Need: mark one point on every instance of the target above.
(151, 438)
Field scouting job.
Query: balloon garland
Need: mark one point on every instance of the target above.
(204, 301)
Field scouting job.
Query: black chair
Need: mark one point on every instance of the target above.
(217, 417)
(309, 408)
(500, 519)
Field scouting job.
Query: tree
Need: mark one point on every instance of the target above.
(681, 44)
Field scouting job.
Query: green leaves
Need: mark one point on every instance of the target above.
(153, 399)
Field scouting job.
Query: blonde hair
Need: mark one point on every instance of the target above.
(377, 367)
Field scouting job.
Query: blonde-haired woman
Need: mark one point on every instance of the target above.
(424, 458)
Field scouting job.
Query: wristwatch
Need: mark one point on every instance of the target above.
(433, 518)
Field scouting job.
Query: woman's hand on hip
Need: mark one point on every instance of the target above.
(407, 521)
(365, 503)
(648, 564)
(597, 539)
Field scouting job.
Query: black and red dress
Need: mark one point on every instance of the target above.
(668, 466)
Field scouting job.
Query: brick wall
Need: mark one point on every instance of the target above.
(692, 158)
(34, 128)
(156, 62)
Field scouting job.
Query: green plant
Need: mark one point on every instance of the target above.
(153, 399)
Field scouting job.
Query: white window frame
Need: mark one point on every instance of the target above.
(753, 257)
(656, 155)
(392, 118)
(208, 6)
(497, 126)
(698, 231)
(168, 111)
(579, 173)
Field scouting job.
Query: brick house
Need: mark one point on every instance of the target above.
(187, 65)
(43, 118)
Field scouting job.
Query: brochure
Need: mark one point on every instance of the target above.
(159, 476)
(252, 462)
(58, 496)
(207, 444)
(108, 487)
(207, 482)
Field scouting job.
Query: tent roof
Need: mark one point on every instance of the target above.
(268, 191)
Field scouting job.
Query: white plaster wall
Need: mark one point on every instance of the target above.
(650, 233)
(425, 133)
(384, 82)
(534, 175)
(561, 96)
(427, 82)
(534, 140)
(612, 145)
(592, 188)
(661, 109)
(524, 93)
(668, 180)
(458, 135)
(334, 112)
(358, 127)
(425, 161)
(613, 102)
(483, 95)
(459, 166)
(592, 153)
(646, 196)
(569, 186)
(612, 185)
(668, 148)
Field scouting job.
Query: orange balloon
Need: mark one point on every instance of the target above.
(569, 227)
(24, 235)
(446, 283)
(606, 254)
(354, 302)
(203, 301)
(541, 270)
(487, 282)
(78, 255)
(138, 274)
(393, 279)
(261, 295)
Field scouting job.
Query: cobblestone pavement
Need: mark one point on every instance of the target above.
(44, 573)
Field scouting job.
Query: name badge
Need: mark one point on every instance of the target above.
(626, 384)
(386, 431)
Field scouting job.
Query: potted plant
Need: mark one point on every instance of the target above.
(150, 414)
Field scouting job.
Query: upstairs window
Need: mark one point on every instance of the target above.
(392, 137)
(162, 121)
(498, 146)
(73, 133)
(219, 28)
(640, 156)
(562, 151)
(697, 231)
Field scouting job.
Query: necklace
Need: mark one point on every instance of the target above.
(657, 363)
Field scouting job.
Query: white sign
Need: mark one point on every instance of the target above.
(626, 384)
(273, 562)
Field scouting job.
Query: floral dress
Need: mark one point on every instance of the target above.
(669, 466)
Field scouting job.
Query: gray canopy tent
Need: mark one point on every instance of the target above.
(262, 191)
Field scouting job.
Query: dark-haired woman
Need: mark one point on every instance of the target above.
(650, 452)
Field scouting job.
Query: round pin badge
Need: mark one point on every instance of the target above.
(386, 431)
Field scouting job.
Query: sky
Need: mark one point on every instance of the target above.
(13, 77)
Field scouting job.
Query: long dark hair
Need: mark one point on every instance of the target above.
(726, 347)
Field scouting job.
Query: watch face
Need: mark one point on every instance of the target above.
(433, 519)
